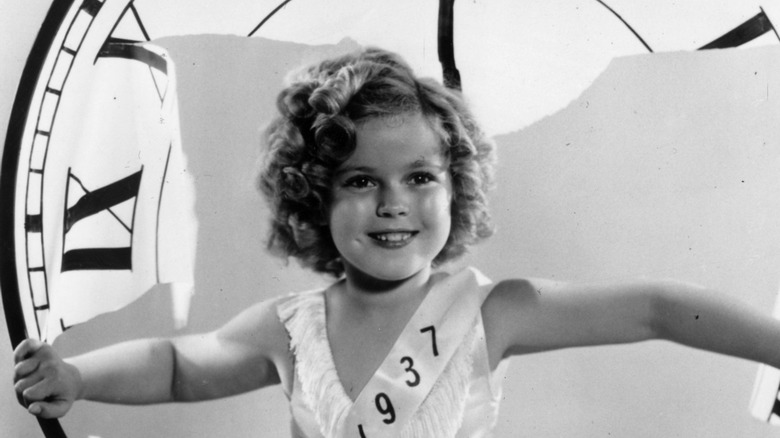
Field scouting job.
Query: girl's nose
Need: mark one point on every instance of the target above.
(392, 204)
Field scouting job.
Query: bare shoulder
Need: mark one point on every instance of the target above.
(510, 297)
(513, 290)
(507, 312)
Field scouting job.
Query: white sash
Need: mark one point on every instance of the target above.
(420, 354)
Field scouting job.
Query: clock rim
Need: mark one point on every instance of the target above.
(9, 170)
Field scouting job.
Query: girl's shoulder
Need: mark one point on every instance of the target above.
(258, 325)
(500, 294)
(272, 318)
(272, 312)
(510, 315)
(268, 316)
(512, 301)
(295, 301)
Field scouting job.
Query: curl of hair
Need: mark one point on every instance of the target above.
(315, 132)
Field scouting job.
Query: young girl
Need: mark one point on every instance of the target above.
(378, 178)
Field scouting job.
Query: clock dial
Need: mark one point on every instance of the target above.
(100, 137)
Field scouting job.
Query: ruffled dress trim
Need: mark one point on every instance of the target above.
(441, 413)
(323, 394)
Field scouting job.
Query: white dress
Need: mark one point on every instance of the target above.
(463, 402)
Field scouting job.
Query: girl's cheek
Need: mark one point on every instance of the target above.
(438, 202)
(352, 206)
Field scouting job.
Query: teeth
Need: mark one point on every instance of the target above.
(393, 237)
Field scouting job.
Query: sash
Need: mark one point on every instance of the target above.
(419, 355)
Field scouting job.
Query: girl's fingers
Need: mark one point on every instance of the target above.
(20, 397)
(34, 391)
(46, 400)
(49, 409)
(28, 382)
(24, 368)
(38, 377)
(35, 408)
(27, 348)
(22, 385)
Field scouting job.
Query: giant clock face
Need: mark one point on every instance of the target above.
(82, 202)
(90, 154)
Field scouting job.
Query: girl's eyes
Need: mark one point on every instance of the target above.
(363, 181)
(422, 178)
(359, 182)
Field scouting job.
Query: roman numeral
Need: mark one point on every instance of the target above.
(100, 202)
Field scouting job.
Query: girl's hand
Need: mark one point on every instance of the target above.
(45, 384)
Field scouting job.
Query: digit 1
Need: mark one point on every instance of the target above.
(360, 429)
(431, 329)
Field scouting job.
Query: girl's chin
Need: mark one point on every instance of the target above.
(385, 274)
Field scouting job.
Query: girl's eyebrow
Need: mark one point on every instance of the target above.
(346, 169)
(416, 164)
(423, 162)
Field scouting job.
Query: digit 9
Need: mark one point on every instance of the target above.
(385, 407)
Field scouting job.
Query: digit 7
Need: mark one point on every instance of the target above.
(431, 329)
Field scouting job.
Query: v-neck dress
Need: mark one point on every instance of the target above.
(463, 402)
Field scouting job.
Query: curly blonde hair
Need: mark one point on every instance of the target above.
(315, 132)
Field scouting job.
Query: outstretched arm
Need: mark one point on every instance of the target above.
(524, 316)
(241, 356)
(712, 321)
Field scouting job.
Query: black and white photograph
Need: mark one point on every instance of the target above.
(371, 218)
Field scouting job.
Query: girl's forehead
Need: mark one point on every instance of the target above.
(397, 137)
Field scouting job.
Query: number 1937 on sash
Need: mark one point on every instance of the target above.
(382, 401)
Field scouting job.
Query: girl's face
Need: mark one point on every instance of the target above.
(390, 214)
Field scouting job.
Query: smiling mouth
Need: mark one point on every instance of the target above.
(393, 238)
